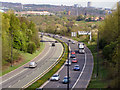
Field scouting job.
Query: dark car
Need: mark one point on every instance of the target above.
(72, 55)
(65, 80)
(76, 68)
(56, 41)
(69, 40)
(53, 44)
(53, 36)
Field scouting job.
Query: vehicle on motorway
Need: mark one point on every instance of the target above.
(56, 41)
(55, 77)
(74, 60)
(32, 64)
(56, 35)
(39, 89)
(72, 55)
(80, 46)
(81, 51)
(49, 35)
(66, 79)
(60, 36)
(66, 63)
(53, 44)
(73, 42)
(69, 40)
(76, 68)
(53, 36)
(72, 52)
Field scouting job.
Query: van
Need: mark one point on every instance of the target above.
(81, 46)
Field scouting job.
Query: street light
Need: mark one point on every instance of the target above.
(97, 53)
(68, 68)
(12, 48)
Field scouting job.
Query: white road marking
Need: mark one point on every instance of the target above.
(22, 70)
(18, 80)
(26, 75)
(44, 72)
(49, 80)
(10, 86)
(44, 55)
(12, 76)
(80, 73)
(55, 73)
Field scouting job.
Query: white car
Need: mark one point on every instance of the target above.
(73, 42)
(55, 77)
(32, 64)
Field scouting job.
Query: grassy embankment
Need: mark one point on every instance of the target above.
(42, 80)
(26, 57)
(100, 81)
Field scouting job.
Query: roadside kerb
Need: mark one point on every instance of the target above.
(46, 71)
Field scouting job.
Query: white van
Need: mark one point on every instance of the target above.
(80, 46)
(32, 64)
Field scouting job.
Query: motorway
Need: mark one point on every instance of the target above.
(79, 79)
(23, 75)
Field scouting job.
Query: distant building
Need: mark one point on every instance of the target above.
(75, 5)
(34, 13)
(1, 10)
(89, 4)
(69, 12)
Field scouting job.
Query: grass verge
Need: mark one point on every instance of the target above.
(100, 80)
(27, 57)
(43, 79)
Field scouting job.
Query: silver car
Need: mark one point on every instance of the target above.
(32, 64)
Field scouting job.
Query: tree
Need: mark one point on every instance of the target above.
(80, 18)
(110, 36)
(31, 47)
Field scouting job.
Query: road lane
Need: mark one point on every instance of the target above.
(29, 74)
(82, 77)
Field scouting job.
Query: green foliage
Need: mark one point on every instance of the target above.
(31, 47)
(17, 32)
(102, 43)
(109, 42)
(80, 18)
(108, 50)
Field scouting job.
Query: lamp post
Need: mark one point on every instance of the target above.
(12, 48)
(97, 53)
(68, 68)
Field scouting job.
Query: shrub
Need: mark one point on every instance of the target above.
(31, 47)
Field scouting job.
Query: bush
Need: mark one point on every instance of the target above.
(31, 47)
(108, 50)
(102, 43)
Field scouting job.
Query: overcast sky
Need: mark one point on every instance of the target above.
(95, 3)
